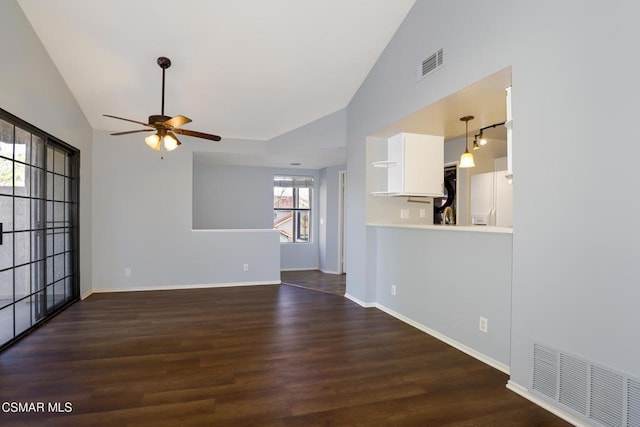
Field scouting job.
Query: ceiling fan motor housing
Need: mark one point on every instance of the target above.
(158, 119)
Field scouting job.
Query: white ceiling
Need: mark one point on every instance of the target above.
(250, 69)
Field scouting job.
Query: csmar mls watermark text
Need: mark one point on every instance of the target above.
(31, 407)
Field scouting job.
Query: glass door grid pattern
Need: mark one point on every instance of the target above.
(38, 208)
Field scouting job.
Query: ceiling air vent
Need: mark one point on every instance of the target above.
(431, 64)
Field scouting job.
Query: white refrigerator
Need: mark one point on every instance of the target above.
(491, 199)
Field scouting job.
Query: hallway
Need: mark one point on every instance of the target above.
(316, 280)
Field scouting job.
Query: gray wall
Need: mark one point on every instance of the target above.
(33, 90)
(445, 280)
(241, 197)
(330, 214)
(570, 261)
(142, 208)
(232, 197)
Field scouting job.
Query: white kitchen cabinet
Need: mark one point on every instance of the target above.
(414, 166)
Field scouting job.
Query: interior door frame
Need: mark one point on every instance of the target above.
(342, 243)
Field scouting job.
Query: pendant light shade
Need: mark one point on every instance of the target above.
(170, 143)
(153, 141)
(466, 160)
(157, 140)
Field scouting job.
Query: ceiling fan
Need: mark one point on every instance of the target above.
(165, 127)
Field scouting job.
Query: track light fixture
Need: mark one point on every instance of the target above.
(479, 139)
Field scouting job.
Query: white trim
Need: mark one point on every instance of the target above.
(342, 193)
(453, 343)
(360, 302)
(176, 287)
(86, 295)
(439, 227)
(299, 269)
(518, 389)
(235, 230)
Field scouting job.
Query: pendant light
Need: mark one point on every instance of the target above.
(466, 160)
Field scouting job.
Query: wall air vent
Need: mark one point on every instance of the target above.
(633, 403)
(607, 392)
(431, 64)
(545, 370)
(573, 383)
(600, 395)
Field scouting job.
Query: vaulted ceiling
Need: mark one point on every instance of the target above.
(250, 69)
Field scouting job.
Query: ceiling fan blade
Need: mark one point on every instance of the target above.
(197, 134)
(133, 131)
(177, 121)
(128, 120)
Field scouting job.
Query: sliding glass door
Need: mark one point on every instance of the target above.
(39, 227)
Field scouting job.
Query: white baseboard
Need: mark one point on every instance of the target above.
(175, 287)
(86, 295)
(522, 391)
(453, 343)
(300, 269)
(360, 302)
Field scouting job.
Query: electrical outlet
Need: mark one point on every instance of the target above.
(127, 272)
(423, 213)
(404, 213)
(484, 325)
(393, 290)
(245, 267)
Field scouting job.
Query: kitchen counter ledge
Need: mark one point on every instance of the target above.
(463, 228)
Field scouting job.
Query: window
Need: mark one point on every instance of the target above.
(292, 208)
(12, 173)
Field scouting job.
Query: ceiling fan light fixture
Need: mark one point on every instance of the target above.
(153, 141)
(170, 143)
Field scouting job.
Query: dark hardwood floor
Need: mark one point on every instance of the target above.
(316, 280)
(261, 355)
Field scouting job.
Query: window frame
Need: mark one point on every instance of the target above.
(297, 183)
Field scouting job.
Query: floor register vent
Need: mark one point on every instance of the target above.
(603, 396)
(431, 64)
